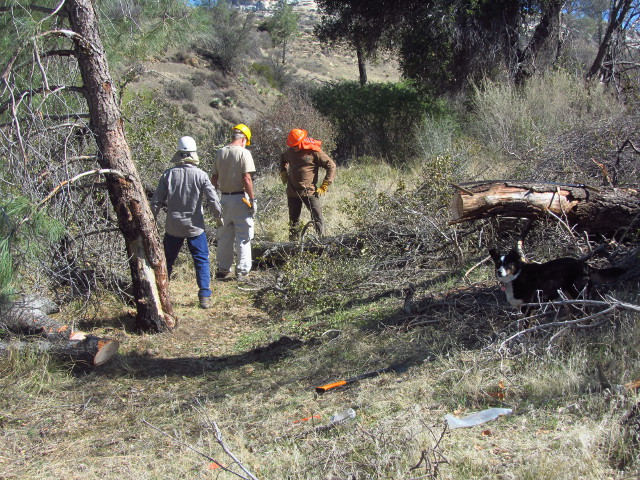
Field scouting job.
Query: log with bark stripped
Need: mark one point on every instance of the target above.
(30, 316)
(595, 210)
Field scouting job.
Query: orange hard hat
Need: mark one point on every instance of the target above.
(296, 136)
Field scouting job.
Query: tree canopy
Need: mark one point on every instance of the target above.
(445, 45)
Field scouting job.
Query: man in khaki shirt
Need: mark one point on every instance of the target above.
(299, 167)
(232, 169)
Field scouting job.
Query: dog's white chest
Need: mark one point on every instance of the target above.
(508, 290)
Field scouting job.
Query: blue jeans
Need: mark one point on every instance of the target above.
(199, 248)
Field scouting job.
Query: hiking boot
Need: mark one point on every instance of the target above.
(205, 302)
(221, 275)
(242, 277)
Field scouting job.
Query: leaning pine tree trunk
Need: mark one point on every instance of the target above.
(136, 222)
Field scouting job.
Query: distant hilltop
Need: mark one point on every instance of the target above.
(267, 5)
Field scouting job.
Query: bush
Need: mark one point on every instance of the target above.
(552, 121)
(374, 119)
(270, 129)
(233, 39)
(190, 108)
(152, 130)
(23, 245)
(180, 91)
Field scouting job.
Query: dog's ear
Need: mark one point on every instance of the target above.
(514, 253)
(494, 253)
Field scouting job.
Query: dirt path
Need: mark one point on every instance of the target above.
(222, 331)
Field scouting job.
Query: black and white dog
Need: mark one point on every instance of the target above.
(543, 282)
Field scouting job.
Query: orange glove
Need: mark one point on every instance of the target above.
(322, 189)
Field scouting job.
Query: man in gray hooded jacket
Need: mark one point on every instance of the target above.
(182, 190)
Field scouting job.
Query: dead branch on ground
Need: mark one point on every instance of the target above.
(610, 304)
(208, 457)
(432, 457)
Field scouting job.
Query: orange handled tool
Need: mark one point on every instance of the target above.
(340, 383)
(244, 199)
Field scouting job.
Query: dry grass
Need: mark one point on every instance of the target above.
(254, 373)
(59, 424)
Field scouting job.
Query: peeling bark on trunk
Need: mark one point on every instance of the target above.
(136, 222)
(595, 210)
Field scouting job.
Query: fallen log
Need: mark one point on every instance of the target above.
(276, 253)
(595, 210)
(29, 315)
(90, 350)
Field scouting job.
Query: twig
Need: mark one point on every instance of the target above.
(59, 187)
(433, 457)
(611, 304)
(563, 223)
(481, 262)
(462, 189)
(211, 459)
(218, 436)
(98, 171)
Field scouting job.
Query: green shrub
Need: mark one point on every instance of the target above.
(25, 235)
(527, 124)
(152, 128)
(274, 73)
(376, 119)
(233, 39)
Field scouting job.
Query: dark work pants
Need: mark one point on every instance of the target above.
(295, 209)
(199, 248)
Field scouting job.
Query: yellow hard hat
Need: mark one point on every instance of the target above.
(244, 129)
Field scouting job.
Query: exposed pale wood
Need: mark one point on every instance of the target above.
(30, 316)
(135, 220)
(597, 210)
(90, 350)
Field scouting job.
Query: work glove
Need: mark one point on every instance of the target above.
(284, 176)
(322, 189)
(218, 221)
(253, 207)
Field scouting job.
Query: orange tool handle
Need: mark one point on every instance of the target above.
(329, 386)
(244, 199)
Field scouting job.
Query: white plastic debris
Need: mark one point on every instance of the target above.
(476, 418)
(344, 415)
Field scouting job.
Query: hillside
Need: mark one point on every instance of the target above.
(217, 98)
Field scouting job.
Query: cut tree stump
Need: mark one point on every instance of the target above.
(29, 316)
(595, 210)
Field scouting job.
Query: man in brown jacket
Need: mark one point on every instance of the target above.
(299, 166)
